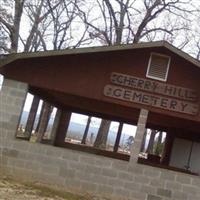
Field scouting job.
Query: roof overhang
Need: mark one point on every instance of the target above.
(12, 57)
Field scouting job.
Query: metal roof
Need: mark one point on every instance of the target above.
(28, 55)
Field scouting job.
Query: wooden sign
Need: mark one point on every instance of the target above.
(149, 99)
(154, 87)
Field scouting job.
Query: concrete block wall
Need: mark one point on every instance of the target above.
(12, 97)
(82, 172)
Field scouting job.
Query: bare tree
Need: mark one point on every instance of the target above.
(11, 22)
(151, 142)
(144, 141)
(102, 134)
(86, 130)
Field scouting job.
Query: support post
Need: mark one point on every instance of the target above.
(62, 128)
(141, 128)
(44, 121)
(55, 126)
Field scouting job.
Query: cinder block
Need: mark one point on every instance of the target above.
(138, 196)
(157, 182)
(13, 162)
(10, 152)
(74, 184)
(142, 179)
(109, 172)
(173, 185)
(193, 197)
(81, 175)
(34, 166)
(184, 179)
(152, 172)
(178, 195)
(125, 176)
(196, 181)
(92, 169)
(120, 165)
(106, 162)
(164, 192)
(69, 155)
(148, 189)
(20, 145)
(153, 197)
(105, 189)
(136, 169)
(88, 186)
(78, 166)
(166, 175)
(64, 172)
(87, 159)
(99, 179)
(52, 170)
(116, 182)
(134, 186)
(190, 189)
(53, 152)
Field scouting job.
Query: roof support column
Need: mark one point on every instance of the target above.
(64, 120)
(44, 121)
(141, 127)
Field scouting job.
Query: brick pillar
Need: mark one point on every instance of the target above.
(141, 126)
(12, 98)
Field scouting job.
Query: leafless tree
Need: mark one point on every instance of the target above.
(11, 22)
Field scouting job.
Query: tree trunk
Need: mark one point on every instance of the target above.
(119, 133)
(151, 142)
(40, 117)
(86, 130)
(144, 142)
(16, 26)
(158, 150)
(32, 116)
(102, 134)
(159, 142)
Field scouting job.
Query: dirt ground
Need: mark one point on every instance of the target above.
(12, 190)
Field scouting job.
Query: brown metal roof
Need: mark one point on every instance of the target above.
(29, 55)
